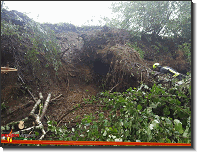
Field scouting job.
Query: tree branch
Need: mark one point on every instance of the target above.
(45, 106)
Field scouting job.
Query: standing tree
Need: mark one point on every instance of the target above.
(153, 17)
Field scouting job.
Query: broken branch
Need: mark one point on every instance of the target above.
(56, 97)
(45, 106)
(114, 87)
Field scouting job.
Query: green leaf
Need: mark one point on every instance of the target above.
(140, 119)
(185, 134)
(153, 105)
(168, 140)
(178, 126)
(166, 111)
(36, 133)
(139, 107)
(161, 140)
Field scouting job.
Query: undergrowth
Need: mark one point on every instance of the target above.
(140, 114)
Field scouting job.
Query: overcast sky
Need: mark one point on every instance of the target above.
(74, 12)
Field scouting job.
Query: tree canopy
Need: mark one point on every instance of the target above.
(171, 18)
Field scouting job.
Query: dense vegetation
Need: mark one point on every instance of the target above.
(171, 18)
(140, 114)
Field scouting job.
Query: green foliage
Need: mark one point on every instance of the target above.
(138, 49)
(170, 18)
(180, 22)
(31, 56)
(155, 47)
(143, 114)
(3, 106)
(186, 48)
(9, 29)
(44, 41)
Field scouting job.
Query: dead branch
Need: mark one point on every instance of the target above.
(27, 88)
(43, 134)
(40, 96)
(114, 87)
(56, 97)
(35, 106)
(27, 129)
(37, 124)
(59, 121)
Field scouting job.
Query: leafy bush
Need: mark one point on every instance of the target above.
(143, 114)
